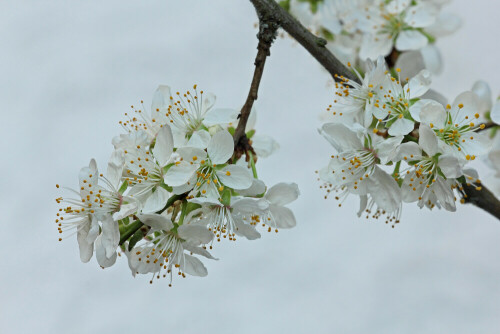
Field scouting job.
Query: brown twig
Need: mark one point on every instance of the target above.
(268, 28)
(313, 44)
(482, 198)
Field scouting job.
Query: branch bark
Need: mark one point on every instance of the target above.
(483, 199)
(273, 12)
(313, 44)
(268, 28)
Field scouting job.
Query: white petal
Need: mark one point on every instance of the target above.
(483, 92)
(194, 266)
(385, 191)
(470, 103)
(385, 149)
(164, 145)
(264, 145)
(180, 174)
(199, 139)
(192, 154)
(156, 201)
(110, 236)
(220, 117)
(199, 251)
(446, 24)
(94, 231)
(161, 99)
(195, 234)
(419, 84)
(432, 58)
(363, 202)
(410, 150)
(421, 15)
(410, 40)
(450, 166)
(258, 187)
(156, 221)
(428, 140)
(86, 248)
(433, 113)
(401, 127)
(249, 206)
(246, 231)
(374, 46)
(205, 200)
(235, 177)
(495, 113)
(208, 100)
(283, 193)
(125, 210)
(410, 63)
(100, 254)
(115, 168)
(283, 217)
(340, 137)
(431, 106)
(221, 147)
(397, 6)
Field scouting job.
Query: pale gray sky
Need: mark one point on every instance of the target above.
(70, 69)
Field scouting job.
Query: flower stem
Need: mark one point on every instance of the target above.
(252, 164)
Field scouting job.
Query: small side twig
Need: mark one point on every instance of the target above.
(268, 28)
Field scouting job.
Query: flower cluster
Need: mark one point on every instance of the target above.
(395, 143)
(358, 30)
(173, 187)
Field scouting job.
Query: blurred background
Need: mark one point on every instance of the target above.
(69, 70)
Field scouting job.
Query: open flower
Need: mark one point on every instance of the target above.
(205, 172)
(164, 250)
(395, 109)
(456, 127)
(279, 195)
(431, 177)
(357, 101)
(227, 220)
(354, 169)
(398, 24)
(144, 170)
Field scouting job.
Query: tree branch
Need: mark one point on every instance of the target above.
(482, 198)
(273, 12)
(268, 28)
(313, 44)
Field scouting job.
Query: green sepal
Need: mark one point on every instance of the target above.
(136, 237)
(167, 167)
(226, 197)
(231, 130)
(285, 4)
(250, 134)
(166, 187)
(327, 34)
(123, 187)
(127, 231)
